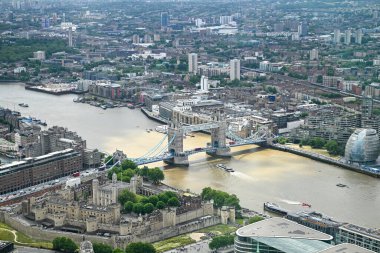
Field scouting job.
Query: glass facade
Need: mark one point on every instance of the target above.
(363, 146)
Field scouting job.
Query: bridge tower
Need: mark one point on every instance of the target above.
(175, 147)
(218, 141)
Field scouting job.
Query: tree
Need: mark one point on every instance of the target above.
(221, 242)
(148, 208)
(128, 164)
(128, 206)
(160, 205)
(140, 247)
(173, 202)
(102, 248)
(118, 251)
(153, 199)
(332, 147)
(126, 195)
(317, 142)
(138, 208)
(156, 175)
(254, 219)
(64, 244)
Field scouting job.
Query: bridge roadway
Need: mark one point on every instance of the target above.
(167, 155)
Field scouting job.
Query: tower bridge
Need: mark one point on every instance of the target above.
(172, 151)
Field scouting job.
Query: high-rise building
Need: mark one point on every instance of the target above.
(375, 14)
(314, 55)
(347, 37)
(156, 37)
(302, 29)
(359, 36)
(193, 63)
(147, 38)
(367, 107)
(337, 36)
(70, 37)
(164, 19)
(224, 20)
(235, 69)
(135, 39)
(204, 83)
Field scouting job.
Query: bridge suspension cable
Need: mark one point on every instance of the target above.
(154, 149)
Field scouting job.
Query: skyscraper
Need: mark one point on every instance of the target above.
(337, 36)
(235, 69)
(193, 63)
(347, 37)
(164, 19)
(70, 37)
(314, 54)
(204, 83)
(359, 36)
(302, 29)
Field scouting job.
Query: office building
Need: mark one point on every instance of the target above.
(337, 36)
(279, 235)
(359, 36)
(347, 37)
(31, 171)
(6, 247)
(147, 38)
(164, 20)
(372, 90)
(360, 236)
(204, 83)
(39, 55)
(193, 63)
(346, 248)
(314, 54)
(225, 20)
(363, 147)
(235, 69)
(302, 29)
(135, 39)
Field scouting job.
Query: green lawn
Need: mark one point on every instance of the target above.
(220, 229)
(172, 243)
(21, 238)
(6, 235)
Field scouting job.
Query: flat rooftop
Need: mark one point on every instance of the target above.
(346, 248)
(281, 228)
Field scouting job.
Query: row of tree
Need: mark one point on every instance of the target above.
(220, 198)
(128, 169)
(145, 205)
(64, 244)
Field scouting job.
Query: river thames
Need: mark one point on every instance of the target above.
(261, 174)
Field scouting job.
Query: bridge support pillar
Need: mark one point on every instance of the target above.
(218, 141)
(175, 147)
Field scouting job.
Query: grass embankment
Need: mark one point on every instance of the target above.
(186, 239)
(172, 243)
(314, 150)
(7, 233)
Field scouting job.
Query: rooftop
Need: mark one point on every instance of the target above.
(281, 228)
(346, 248)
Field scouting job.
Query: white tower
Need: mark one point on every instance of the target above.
(193, 63)
(204, 83)
(70, 37)
(336, 36)
(347, 37)
(234, 69)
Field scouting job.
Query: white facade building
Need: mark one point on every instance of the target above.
(234, 69)
(193, 63)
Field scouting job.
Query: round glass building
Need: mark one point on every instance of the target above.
(363, 146)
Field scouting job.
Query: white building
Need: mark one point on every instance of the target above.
(225, 20)
(199, 22)
(234, 69)
(193, 63)
(39, 55)
(314, 55)
(347, 37)
(204, 84)
(336, 36)
(359, 36)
